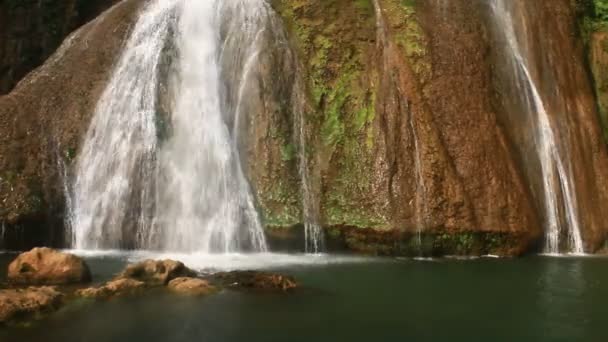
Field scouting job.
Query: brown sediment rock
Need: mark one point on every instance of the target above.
(410, 121)
(156, 272)
(191, 286)
(412, 140)
(114, 288)
(42, 122)
(147, 274)
(546, 30)
(23, 304)
(254, 280)
(46, 266)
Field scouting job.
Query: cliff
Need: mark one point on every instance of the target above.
(402, 115)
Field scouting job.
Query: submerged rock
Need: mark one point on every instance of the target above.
(114, 288)
(255, 280)
(148, 274)
(191, 286)
(23, 304)
(156, 272)
(46, 266)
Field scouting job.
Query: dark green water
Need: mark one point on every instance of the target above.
(530, 299)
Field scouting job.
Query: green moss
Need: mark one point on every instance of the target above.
(593, 18)
(288, 152)
(70, 154)
(408, 35)
(280, 205)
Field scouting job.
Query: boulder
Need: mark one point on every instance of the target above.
(156, 272)
(46, 266)
(191, 286)
(23, 304)
(255, 280)
(114, 288)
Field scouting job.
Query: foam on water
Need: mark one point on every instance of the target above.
(230, 261)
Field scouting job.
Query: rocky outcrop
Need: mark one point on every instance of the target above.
(409, 138)
(420, 137)
(254, 280)
(42, 122)
(415, 142)
(31, 30)
(45, 266)
(25, 304)
(115, 288)
(156, 272)
(191, 286)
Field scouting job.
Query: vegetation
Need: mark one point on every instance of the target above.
(593, 18)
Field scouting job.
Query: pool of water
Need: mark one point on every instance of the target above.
(352, 299)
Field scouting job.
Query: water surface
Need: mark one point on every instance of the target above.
(353, 299)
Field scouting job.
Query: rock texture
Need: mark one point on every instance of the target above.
(31, 30)
(42, 122)
(45, 266)
(24, 304)
(414, 143)
(191, 286)
(156, 272)
(254, 280)
(114, 288)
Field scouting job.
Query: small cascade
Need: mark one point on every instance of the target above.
(558, 188)
(420, 182)
(314, 238)
(160, 166)
(420, 187)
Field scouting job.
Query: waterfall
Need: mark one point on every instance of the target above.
(420, 186)
(558, 187)
(314, 239)
(160, 167)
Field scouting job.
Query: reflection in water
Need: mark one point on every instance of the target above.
(561, 290)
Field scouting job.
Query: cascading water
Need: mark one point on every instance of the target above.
(557, 184)
(420, 183)
(314, 239)
(160, 167)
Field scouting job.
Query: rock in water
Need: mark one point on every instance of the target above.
(156, 272)
(114, 288)
(255, 280)
(22, 304)
(46, 266)
(191, 286)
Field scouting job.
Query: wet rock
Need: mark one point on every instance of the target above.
(114, 288)
(191, 286)
(39, 125)
(156, 272)
(255, 280)
(46, 266)
(23, 304)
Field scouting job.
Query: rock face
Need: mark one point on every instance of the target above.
(418, 133)
(409, 140)
(42, 122)
(156, 272)
(31, 30)
(21, 304)
(45, 266)
(191, 286)
(414, 142)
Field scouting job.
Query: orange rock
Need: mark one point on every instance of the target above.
(191, 286)
(46, 266)
(26, 303)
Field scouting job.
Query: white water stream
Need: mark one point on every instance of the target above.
(556, 176)
(160, 168)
